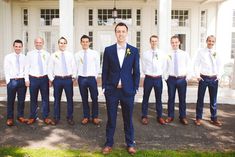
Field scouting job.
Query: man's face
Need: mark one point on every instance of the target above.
(175, 43)
(18, 48)
(62, 44)
(154, 42)
(85, 43)
(210, 42)
(38, 43)
(121, 34)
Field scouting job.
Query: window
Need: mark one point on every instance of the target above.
(105, 16)
(138, 40)
(90, 17)
(25, 41)
(90, 34)
(49, 17)
(138, 17)
(233, 18)
(203, 27)
(179, 18)
(233, 45)
(25, 17)
(155, 17)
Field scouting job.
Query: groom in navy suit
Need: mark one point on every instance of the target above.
(120, 82)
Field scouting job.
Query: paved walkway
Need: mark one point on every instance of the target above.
(174, 136)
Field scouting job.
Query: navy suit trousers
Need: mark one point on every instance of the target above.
(59, 85)
(180, 84)
(212, 84)
(39, 84)
(85, 84)
(16, 87)
(150, 83)
(127, 103)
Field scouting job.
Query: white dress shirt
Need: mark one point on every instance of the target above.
(55, 66)
(93, 61)
(207, 62)
(153, 62)
(184, 64)
(32, 66)
(11, 69)
(121, 55)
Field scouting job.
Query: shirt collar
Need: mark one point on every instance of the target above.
(121, 47)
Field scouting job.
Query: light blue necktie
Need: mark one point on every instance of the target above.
(40, 63)
(18, 64)
(85, 63)
(64, 66)
(176, 64)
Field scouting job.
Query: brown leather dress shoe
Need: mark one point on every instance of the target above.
(198, 122)
(184, 121)
(169, 120)
(10, 122)
(131, 150)
(216, 123)
(106, 150)
(22, 120)
(145, 120)
(161, 121)
(96, 121)
(31, 121)
(85, 121)
(48, 121)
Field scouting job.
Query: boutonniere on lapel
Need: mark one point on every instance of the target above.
(128, 52)
(214, 54)
(169, 56)
(44, 56)
(156, 56)
(81, 60)
(56, 55)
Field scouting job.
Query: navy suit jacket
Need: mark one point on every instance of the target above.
(129, 73)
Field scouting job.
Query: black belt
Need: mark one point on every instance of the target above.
(17, 79)
(43, 76)
(63, 77)
(154, 77)
(210, 77)
(178, 77)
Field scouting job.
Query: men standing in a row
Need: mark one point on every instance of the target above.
(208, 70)
(37, 80)
(153, 64)
(120, 82)
(62, 73)
(179, 71)
(87, 76)
(15, 82)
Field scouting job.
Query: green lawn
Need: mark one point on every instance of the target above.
(25, 152)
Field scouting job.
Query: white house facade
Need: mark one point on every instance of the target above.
(192, 20)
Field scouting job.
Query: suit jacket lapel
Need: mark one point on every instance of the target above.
(125, 57)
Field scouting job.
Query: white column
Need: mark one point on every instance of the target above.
(5, 32)
(66, 22)
(164, 25)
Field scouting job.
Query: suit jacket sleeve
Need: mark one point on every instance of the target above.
(136, 71)
(105, 69)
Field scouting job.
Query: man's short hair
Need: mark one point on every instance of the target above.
(18, 41)
(153, 36)
(62, 38)
(210, 36)
(121, 24)
(85, 37)
(176, 37)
